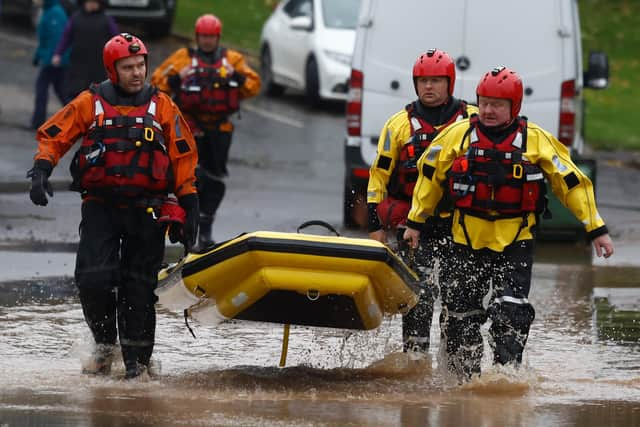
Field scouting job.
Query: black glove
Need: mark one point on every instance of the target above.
(190, 229)
(35, 61)
(40, 185)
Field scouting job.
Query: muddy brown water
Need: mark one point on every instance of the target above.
(576, 371)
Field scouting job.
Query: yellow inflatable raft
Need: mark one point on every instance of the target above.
(291, 278)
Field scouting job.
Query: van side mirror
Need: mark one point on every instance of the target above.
(597, 74)
(301, 23)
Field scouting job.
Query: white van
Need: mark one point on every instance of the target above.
(540, 40)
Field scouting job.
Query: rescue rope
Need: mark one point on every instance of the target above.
(285, 345)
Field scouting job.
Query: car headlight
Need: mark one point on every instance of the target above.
(342, 58)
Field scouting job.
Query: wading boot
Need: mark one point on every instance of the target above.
(100, 361)
(204, 231)
(135, 370)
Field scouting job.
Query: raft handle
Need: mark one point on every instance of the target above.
(320, 223)
(313, 294)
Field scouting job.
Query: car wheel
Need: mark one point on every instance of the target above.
(312, 82)
(270, 88)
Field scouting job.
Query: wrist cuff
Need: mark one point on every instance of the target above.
(373, 223)
(598, 232)
(44, 165)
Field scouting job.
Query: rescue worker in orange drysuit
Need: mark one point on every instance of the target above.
(208, 83)
(393, 174)
(493, 167)
(136, 148)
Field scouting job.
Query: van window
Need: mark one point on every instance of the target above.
(297, 8)
(342, 14)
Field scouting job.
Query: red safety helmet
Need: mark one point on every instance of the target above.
(501, 82)
(435, 62)
(209, 25)
(121, 46)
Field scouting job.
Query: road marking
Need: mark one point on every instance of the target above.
(18, 39)
(273, 116)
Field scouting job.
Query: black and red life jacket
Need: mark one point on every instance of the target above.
(123, 154)
(495, 180)
(405, 173)
(207, 88)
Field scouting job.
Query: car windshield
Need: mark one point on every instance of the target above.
(340, 13)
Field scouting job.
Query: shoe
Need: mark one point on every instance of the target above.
(204, 243)
(136, 371)
(100, 361)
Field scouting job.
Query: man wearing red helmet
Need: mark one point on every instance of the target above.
(208, 83)
(492, 167)
(136, 148)
(393, 174)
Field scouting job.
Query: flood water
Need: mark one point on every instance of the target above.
(579, 369)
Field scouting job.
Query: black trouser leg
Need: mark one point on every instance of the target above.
(509, 332)
(426, 261)
(99, 309)
(467, 282)
(463, 342)
(416, 324)
(96, 272)
(211, 190)
(510, 310)
(142, 254)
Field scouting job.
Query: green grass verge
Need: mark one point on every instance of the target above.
(612, 26)
(607, 25)
(241, 20)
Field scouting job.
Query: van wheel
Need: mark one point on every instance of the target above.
(312, 83)
(270, 88)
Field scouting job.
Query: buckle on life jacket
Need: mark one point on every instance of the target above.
(517, 170)
(148, 134)
(95, 153)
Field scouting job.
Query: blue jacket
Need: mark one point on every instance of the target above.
(50, 29)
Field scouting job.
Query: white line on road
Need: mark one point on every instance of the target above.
(273, 116)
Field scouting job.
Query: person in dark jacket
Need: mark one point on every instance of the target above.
(88, 29)
(50, 29)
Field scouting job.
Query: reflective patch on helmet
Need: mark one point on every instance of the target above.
(428, 171)
(387, 141)
(433, 152)
(384, 162)
(571, 180)
(53, 130)
(182, 146)
(558, 164)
